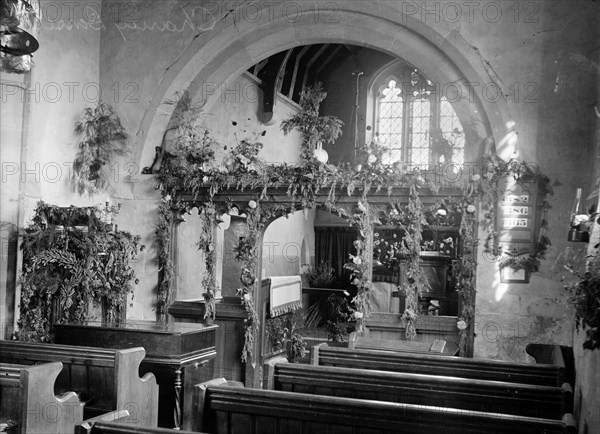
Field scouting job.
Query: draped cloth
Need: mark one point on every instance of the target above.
(285, 294)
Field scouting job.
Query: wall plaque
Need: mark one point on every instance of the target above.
(517, 224)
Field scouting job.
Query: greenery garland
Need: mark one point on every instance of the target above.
(73, 257)
(495, 169)
(247, 253)
(580, 276)
(165, 264)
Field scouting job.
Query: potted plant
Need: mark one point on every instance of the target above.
(296, 348)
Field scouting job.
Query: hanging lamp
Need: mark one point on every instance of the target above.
(20, 22)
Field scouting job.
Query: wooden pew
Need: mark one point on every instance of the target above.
(224, 410)
(557, 355)
(441, 391)
(85, 427)
(28, 400)
(438, 347)
(121, 428)
(107, 379)
(481, 369)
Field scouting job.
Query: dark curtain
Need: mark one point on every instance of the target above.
(333, 245)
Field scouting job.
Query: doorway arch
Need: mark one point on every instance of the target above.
(220, 55)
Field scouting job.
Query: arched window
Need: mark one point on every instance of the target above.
(417, 126)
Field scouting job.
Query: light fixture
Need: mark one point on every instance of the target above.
(20, 22)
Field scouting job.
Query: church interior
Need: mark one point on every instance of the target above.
(299, 216)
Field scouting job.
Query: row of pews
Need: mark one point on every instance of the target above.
(370, 391)
(56, 389)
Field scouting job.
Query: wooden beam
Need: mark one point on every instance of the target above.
(281, 72)
(328, 59)
(310, 63)
(269, 87)
(295, 73)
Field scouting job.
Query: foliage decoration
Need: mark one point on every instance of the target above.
(281, 331)
(339, 312)
(310, 184)
(207, 244)
(464, 269)
(103, 138)
(582, 281)
(321, 276)
(165, 264)
(68, 266)
(247, 254)
(313, 128)
(296, 348)
(494, 169)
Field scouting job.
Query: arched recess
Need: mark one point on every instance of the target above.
(220, 55)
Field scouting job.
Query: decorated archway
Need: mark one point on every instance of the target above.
(218, 57)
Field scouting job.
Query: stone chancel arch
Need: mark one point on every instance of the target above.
(219, 55)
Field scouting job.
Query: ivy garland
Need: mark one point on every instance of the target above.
(247, 253)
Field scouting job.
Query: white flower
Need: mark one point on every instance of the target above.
(357, 260)
(372, 159)
(361, 207)
(252, 204)
(471, 209)
(167, 198)
(475, 178)
(358, 315)
(409, 315)
(246, 297)
(461, 325)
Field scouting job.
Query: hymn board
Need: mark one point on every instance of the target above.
(517, 216)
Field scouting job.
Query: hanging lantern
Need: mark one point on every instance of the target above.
(20, 22)
(320, 154)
